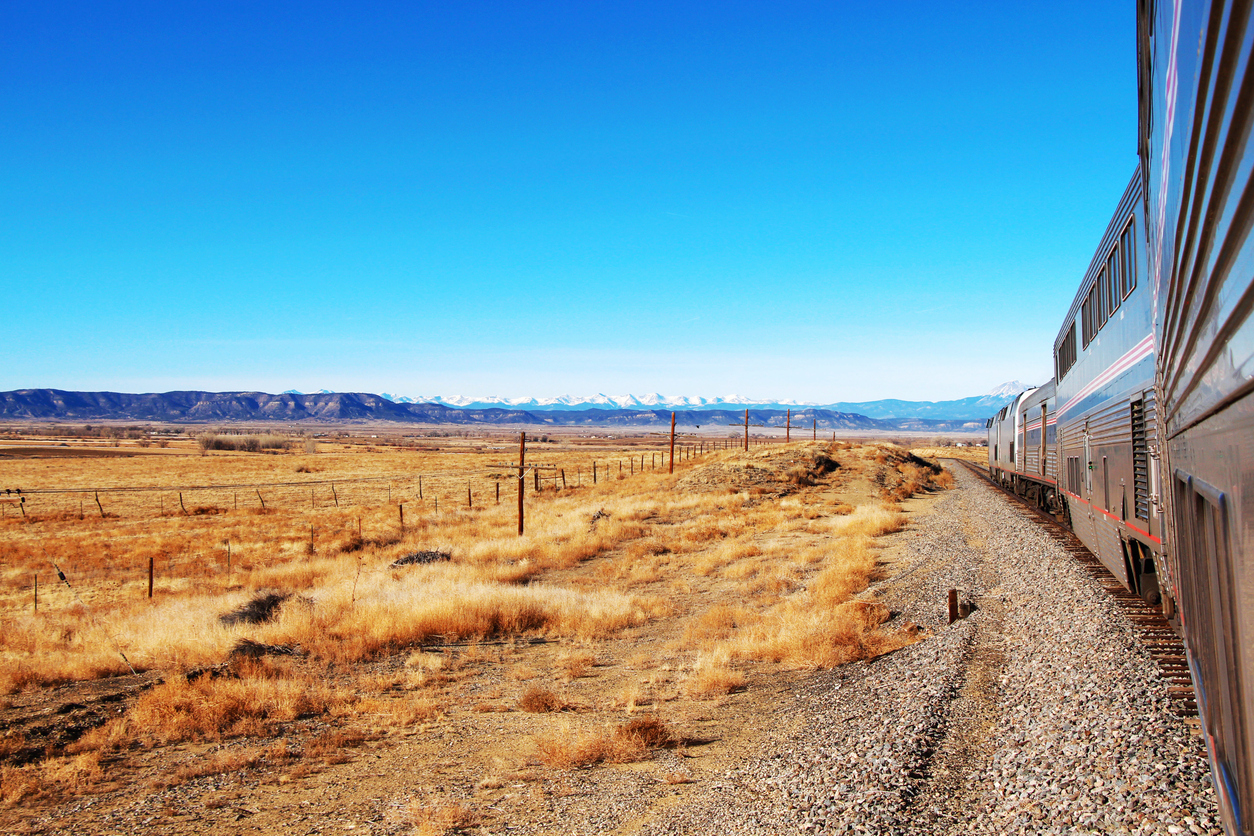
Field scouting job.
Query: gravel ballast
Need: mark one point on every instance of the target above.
(1038, 713)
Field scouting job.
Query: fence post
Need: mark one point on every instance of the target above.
(420, 487)
(498, 493)
(470, 501)
(181, 505)
(594, 473)
(150, 562)
(98, 505)
(335, 496)
(262, 501)
(36, 593)
(563, 478)
(746, 431)
(400, 508)
(672, 470)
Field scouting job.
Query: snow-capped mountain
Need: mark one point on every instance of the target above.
(972, 408)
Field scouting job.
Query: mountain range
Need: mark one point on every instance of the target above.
(967, 414)
(966, 409)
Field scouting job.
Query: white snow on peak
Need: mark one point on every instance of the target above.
(1007, 390)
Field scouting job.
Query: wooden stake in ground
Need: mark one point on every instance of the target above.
(400, 509)
(470, 500)
(816, 429)
(37, 593)
(746, 431)
(150, 577)
(98, 505)
(335, 496)
(522, 457)
(262, 501)
(788, 427)
(672, 470)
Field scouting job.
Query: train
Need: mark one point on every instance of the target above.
(1143, 441)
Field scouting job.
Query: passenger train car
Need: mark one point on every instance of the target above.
(1082, 446)
(1144, 441)
(1196, 115)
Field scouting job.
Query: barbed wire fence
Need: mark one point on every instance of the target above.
(422, 492)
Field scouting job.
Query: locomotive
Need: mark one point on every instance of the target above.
(1143, 443)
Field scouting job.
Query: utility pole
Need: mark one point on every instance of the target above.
(672, 470)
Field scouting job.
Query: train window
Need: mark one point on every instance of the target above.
(1086, 318)
(1128, 251)
(1114, 293)
(1066, 353)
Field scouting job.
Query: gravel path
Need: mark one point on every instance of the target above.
(1039, 713)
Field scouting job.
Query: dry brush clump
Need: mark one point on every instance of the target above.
(567, 747)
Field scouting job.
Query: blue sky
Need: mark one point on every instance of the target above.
(813, 201)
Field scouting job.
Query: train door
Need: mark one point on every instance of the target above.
(1044, 443)
(1088, 464)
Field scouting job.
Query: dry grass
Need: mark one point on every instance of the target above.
(763, 575)
(538, 700)
(441, 818)
(210, 708)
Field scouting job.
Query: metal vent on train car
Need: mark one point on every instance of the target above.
(1140, 462)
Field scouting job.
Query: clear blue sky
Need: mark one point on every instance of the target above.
(815, 201)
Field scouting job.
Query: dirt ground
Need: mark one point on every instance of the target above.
(465, 756)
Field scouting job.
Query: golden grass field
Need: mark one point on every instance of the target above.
(642, 590)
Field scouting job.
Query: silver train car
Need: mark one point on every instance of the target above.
(1196, 91)
(1144, 441)
(1082, 447)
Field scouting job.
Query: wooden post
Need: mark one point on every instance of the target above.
(389, 493)
(311, 499)
(620, 467)
(536, 473)
(400, 509)
(98, 505)
(563, 478)
(788, 427)
(953, 605)
(594, 473)
(633, 466)
(498, 493)
(522, 458)
(150, 560)
(420, 487)
(335, 495)
(746, 431)
(36, 593)
(181, 505)
(237, 500)
(470, 500)
(816, 429)
(672, 470)
(311, 539)
(262, 501)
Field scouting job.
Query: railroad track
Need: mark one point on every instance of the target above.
(1152, 629)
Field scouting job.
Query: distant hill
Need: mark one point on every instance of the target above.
(356, 407)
